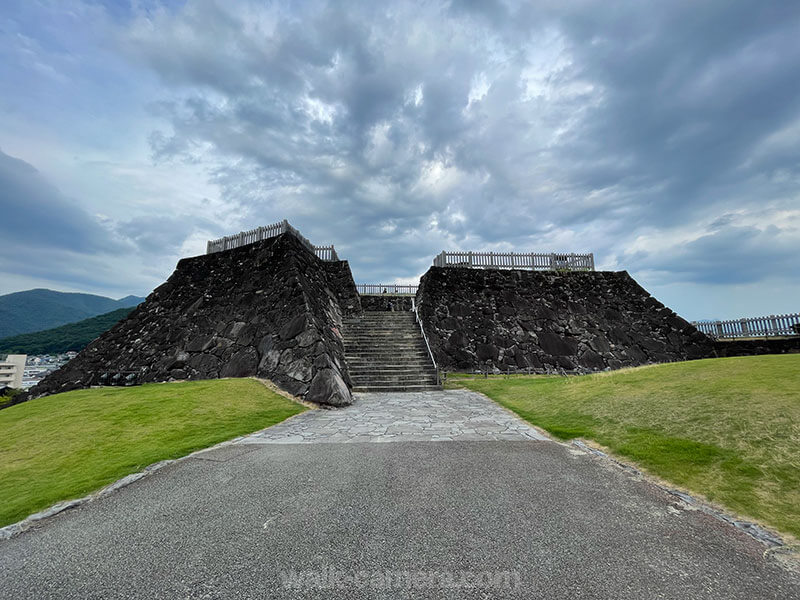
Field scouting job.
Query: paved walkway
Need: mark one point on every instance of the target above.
(436, 416)
(278, 516)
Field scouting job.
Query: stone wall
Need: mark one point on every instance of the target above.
(340, 280)
(385, 302)
(757, 347)
(270, 309)
(548, 322)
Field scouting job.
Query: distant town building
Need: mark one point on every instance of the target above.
(39, 367)
(12, 369)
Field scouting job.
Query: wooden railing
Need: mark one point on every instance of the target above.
(326, 252)
(396, 289)
(258, 234)
(773, 325)
(516, 260)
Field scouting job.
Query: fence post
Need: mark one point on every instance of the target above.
(774, 323)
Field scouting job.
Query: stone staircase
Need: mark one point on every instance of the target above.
(385, 352)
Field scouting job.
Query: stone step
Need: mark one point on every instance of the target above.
(391, 325)
(397, 388)
(395, 335)
(381, 316)
(390, 318)
(373, 381)
(392, 369)
(382, 339)
(395, 375)
(406, 364)
(369, 335)
(387, 359)
(393, 359)
(386, 352)
(410, 325)
(387, 347)
(383, 332)
(392, 321)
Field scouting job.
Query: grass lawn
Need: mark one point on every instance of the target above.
(727, 428)
(68, 445)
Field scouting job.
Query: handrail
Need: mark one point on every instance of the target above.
(425, 337)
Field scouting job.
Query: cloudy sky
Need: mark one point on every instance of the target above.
(662, 136)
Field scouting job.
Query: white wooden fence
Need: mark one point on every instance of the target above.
(751, 327)
(326, 252)
(516, 260)
(262, 233)
(396, 289)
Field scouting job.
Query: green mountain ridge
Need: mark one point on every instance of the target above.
(40, 309)
(73, 336)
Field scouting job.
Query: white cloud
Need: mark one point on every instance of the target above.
(396, 130)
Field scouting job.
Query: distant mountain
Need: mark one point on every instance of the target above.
(36, 310)
(73, 336)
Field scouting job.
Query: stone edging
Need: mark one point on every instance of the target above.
(769, 538)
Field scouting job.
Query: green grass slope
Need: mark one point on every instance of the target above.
(68, 445)
(73, 336)
(728, 429)
(35, 310)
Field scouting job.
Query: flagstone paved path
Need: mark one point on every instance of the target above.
(433, 416)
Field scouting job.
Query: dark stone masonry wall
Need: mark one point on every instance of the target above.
(340, 280)
(757, 347)
(385, 303)
(270, 309)
(549, 322)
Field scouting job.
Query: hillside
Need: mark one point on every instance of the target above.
(73, 336)
(40, 309)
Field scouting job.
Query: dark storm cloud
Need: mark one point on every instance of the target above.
(48, 237)
(36, 214)
(574, 126)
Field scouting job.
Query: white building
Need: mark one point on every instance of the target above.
(11, 370)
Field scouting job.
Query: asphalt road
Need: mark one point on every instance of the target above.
(486, 519)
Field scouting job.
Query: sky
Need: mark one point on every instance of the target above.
(664, 137)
